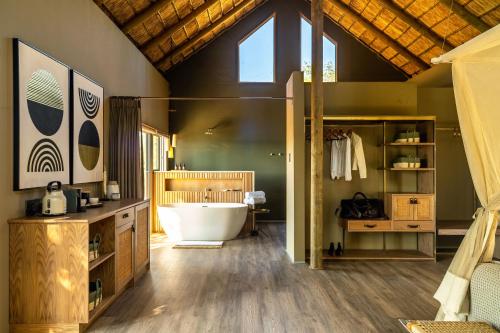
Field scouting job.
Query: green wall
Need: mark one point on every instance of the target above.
(248, 131)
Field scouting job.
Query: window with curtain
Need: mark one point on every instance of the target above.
(154, 156)
(329, 53)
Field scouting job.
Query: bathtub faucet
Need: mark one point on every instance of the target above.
(206, 197)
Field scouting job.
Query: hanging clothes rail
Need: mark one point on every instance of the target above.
(354, 125)
(234, 98)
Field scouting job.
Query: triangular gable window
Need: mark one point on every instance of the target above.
(329, 54)
(256, 54)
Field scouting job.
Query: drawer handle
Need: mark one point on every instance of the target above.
(124, 216)
(413, 226)
(370, 226)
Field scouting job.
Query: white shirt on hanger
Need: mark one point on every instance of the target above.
(340, 159)
(358, 155)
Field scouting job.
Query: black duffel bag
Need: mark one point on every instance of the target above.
(361, 208)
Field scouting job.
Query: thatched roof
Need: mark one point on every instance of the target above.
(407, 33)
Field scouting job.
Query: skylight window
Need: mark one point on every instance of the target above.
(256, 54)
(329, 54)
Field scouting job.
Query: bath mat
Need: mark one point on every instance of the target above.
(199, 245)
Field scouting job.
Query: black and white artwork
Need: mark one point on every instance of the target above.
(41, 118)
(87, 130)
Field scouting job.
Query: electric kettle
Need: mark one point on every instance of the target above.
(54, 201)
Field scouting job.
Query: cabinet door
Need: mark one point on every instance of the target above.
(402, 209)
(424, 208)
(141, 237)
(124, 255)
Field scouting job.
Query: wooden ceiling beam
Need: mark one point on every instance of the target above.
(144, 15)
(204, 34)
(367, 25)
(416, 24)
(465, 15)
(159, 39)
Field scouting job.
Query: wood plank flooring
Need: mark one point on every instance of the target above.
(250, 286)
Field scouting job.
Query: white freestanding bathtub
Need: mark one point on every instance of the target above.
(202, 221)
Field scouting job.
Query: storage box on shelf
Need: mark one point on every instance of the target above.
(40, 298)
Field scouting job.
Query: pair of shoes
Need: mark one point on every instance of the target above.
(338, 252)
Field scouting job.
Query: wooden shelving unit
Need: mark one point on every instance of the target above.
(422, 182)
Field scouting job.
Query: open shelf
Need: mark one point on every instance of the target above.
(102, 258)
(410, 144)
(381, 255)
(105, 303)
(455, 227)
(411, 169)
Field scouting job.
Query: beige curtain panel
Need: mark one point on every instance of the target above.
(476, 76)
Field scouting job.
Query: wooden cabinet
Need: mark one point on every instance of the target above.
(410, 207)
(423, 208)
(141, 249)
(402, 208)
(124, 255)
(38, 300)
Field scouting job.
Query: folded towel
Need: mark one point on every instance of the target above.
(254, 201)
(256, 194)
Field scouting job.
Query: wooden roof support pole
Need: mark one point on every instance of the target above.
(415, 24)
(466, 15)
(316, 261)
(204, 33)
(144, 15)
(367, 25)
(179, 25)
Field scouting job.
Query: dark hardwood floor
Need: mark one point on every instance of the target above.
(250, 286)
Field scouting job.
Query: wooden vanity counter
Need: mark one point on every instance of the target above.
(50, 271)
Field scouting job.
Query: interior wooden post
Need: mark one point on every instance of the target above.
(317, 135)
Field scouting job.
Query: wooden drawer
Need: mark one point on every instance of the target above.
(125, 216)
(413, 226)
(368, 225)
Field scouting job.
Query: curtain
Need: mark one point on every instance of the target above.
(476, 75)
(125, 146)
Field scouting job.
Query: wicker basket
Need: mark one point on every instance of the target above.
(95, 294)
(94, 245)
(427, 326)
